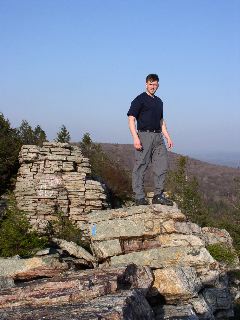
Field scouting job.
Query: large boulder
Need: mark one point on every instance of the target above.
(177, 283)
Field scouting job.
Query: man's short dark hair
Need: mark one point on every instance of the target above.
(152, 77)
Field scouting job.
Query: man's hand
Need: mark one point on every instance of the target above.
(169, 143)
(137, 144)
(165, 133)
(136, 140)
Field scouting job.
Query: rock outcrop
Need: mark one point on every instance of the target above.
(150, 263)
(186, 276)
(113, 293)
(147, 262)
(56, 178)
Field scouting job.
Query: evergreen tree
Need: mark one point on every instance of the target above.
(88, 148)
(39, 136)
(233, 225)
(16, 235)
(26, 133)
(185, 191)
(237, 195)
(63, 135)
(114, 176)
(9, 148)
(86, 141)
(11, 140)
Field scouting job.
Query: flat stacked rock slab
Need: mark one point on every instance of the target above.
(186, 276)
(56, 178)
(31, 268)
(157, 236)
(113, 293)
(130, 305)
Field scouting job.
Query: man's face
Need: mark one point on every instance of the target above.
(152, 87)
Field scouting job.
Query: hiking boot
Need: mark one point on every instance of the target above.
(161, 199)
(141, 202)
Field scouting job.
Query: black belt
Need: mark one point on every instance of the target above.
(157, 131)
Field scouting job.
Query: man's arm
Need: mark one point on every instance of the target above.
(132, 127)
(166, 134)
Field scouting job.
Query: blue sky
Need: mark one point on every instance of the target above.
(80, 63)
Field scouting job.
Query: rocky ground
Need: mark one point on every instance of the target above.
(147, 262)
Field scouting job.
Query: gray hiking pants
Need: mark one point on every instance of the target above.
(155, 151)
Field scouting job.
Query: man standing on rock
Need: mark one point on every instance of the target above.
(148, 141)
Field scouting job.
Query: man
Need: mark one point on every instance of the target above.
(148, 141)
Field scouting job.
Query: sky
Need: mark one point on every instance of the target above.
(81, 62)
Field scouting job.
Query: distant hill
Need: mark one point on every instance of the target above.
(216, 181)
(230, 159)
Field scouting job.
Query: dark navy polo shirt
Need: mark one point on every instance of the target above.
(148, 111)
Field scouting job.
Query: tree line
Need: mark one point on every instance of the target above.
(11, 140)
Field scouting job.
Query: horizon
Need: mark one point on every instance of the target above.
(60, 65)
(222, 158)
(229, 159)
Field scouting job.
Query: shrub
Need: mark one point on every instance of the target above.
(63, 135)
(16, 236)
(64, 228)
(231, 225)
(234, 274)
(9, 148)
(11, 140)
(222, 253)
(28, 135)
(184, 189)
(117, 179)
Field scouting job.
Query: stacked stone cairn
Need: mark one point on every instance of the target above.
(56, 178)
